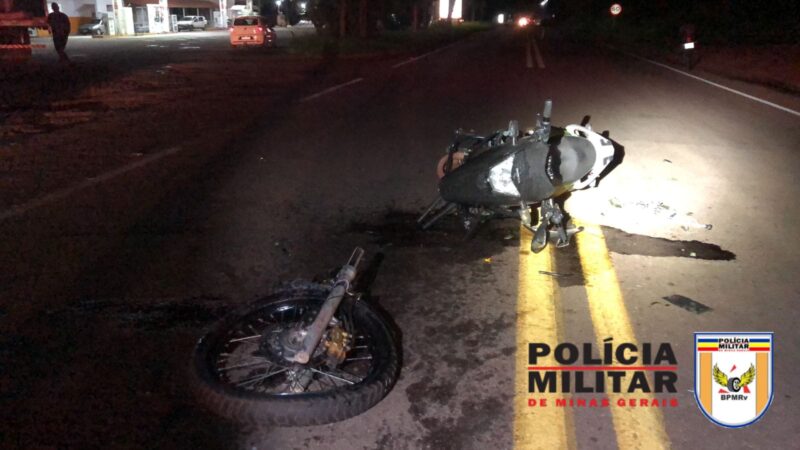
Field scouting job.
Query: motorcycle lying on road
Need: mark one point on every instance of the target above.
(309, 354)
(315, 353)
(506, 173)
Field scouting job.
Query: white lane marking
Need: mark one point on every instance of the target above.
(539, 60)
(330, 89)
(61, 194)
(528, 57)
(416, 58)
(743, 94)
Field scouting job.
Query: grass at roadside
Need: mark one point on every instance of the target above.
(775, 65)
(388, 42)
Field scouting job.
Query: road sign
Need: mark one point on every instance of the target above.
(615, 9)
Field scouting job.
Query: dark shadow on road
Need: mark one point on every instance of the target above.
(636, 244)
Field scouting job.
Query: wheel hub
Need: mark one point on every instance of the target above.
(280, 344)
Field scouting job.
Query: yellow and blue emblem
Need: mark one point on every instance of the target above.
(733, 376)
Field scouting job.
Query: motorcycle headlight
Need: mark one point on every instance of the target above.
(500, 178)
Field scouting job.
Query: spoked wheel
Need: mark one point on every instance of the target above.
(240, 373)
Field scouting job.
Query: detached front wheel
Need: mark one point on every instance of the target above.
(239, 370)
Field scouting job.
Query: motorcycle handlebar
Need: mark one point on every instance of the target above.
(356, 257)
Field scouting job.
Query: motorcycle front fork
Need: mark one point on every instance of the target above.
(552, 226)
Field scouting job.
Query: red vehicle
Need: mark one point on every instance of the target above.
(16, 17)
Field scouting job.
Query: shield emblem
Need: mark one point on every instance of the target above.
(733, 376)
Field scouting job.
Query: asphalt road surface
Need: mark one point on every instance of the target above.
(95, 351)
(135, 51)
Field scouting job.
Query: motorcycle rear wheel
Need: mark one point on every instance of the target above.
(235, 377)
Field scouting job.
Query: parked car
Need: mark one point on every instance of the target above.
(252, 30)
(192, 23)
(95, 27)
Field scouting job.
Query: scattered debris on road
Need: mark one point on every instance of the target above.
(556, 274)
(688, 304)
(662, 211)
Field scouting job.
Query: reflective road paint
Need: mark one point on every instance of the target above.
(538, 320)
(634, 427)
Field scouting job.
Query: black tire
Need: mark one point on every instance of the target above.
(248, 407)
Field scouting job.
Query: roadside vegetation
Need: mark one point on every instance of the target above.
(757, 42)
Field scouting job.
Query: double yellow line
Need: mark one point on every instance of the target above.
(539, 320)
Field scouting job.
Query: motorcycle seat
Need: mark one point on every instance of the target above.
(572, 159)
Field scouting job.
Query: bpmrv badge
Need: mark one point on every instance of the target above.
(733, 376)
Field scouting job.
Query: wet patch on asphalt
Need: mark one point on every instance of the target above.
(619, 241)
(465, 345)
(164, 315)
(399, 229)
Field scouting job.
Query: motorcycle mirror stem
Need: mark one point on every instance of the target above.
(513, 131)
(548, 110)
(543, 121)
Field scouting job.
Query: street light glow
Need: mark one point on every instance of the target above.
(445, 4)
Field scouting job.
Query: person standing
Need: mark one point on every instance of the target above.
(59, 28)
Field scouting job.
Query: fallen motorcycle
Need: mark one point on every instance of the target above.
(309, 354)
(507, 173)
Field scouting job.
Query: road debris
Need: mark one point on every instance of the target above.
(556, 274)
(687, 304)
(662, 212)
